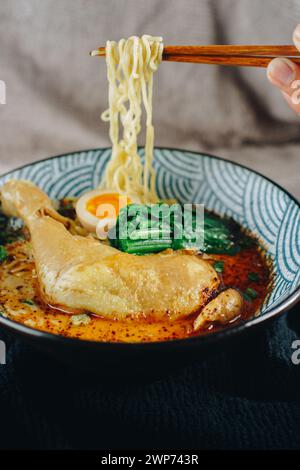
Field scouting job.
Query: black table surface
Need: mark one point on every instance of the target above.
(247, 397)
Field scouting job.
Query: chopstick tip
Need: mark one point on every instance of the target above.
(97, 52)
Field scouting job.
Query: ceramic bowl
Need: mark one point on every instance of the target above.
(251, 199)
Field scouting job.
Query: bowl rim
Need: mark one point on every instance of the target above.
(246, 325)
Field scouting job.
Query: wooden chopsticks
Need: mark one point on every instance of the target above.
(247, 55)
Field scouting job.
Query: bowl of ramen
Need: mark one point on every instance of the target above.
(133, 257)
(261, 273)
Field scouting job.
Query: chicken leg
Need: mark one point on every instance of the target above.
(80, 273)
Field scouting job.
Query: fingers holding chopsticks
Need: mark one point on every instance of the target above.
(285, 75)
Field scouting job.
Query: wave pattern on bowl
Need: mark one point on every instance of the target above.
(222, 186)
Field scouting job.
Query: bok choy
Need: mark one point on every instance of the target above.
(143, 229)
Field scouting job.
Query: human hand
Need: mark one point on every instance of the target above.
(283, 73)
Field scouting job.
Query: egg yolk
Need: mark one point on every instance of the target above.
(114, 200)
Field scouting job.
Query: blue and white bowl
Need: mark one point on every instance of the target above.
(223, 186)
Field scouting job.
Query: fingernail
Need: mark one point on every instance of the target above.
(281, 71)
(297, 33)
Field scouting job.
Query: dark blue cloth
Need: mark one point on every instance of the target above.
(244, 398)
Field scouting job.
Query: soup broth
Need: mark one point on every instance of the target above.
(20, 300)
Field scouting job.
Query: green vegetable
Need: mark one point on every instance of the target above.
(11, 229)
(219, 236)
(253, 277)
(219, 266)
(3, 254)
(143, 229)
(142, 247)
(250, 294)
(28, 302)
(137, 233)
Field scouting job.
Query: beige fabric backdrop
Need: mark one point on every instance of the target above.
(56, 92)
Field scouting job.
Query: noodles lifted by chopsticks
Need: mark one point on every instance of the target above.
(130, 67)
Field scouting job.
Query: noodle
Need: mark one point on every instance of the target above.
(130, 67)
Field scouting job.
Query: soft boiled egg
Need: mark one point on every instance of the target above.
(98, 210)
